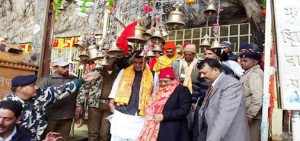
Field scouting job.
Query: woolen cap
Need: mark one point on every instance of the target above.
(186, 43)
(166, 73)
(23, 80)
(251, 55)
(190, 48)
(226, 44)
(170, 45)
(60, 62)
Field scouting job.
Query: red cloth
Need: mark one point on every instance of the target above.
(156, 106)
(170, 45)
(166, 73)
(122, 41)
(152, 62)
(185, 44)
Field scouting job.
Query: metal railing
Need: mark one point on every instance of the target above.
(235, 33)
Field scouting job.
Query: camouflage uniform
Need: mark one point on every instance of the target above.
(91, 89)
(33, 114)
(96, 92)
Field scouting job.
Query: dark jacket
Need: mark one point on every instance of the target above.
(174, 126)
(21, 136)
(63, 108)
(232, 56)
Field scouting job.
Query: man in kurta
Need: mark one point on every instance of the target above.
(252, 82)
(129, 96)
(169, 56)
(185, 68)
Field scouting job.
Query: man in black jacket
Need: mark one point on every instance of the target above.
(10, 115)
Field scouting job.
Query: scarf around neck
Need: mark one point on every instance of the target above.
(188, 70)
(164, 61)
(156, 105)
(125, 85)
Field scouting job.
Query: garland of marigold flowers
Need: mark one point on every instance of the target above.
(110, 4)
(56, 6)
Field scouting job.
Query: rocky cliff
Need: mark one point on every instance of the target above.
(17, 17)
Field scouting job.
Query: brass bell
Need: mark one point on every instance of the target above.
(157, 48)
(100, 54)
(84, 56)
(150, 53)
(99, 42)
(210, 10)
(138, 34)
(106, 47)
(176, 18)
(93, 51)
(157, 36)
(114, 50)
(79, 44)
(76, 59)
(216, 45)
(164, 33)
(148, 33)
(205, 43)
(104, 62)
(142, 53)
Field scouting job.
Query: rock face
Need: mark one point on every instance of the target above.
(17, 20)
(17, 17)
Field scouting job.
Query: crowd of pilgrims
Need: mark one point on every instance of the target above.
(175, 96)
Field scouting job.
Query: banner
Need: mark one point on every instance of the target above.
(26, 47)
(288, 45)
(64, 42)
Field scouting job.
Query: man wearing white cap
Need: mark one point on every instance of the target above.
(60, 114)
(185, 68)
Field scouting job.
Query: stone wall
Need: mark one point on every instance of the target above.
(17, 17)
(17, 20)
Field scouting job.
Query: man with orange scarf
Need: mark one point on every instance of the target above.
(167, 110)
(129, 96)
(169, 56)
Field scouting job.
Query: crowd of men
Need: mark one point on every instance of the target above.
(226, 97)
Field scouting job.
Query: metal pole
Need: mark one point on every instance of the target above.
(266, 98)
(296, 125)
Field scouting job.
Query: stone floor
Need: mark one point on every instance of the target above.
(80, 134)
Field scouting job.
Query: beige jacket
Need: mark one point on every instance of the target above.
(252, 82)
